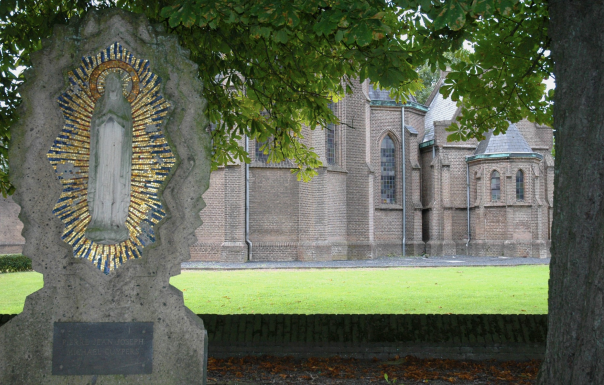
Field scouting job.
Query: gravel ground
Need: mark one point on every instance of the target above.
(329, 381)
(337, 371)
(381, 262)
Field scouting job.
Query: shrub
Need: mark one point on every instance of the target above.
(11, 263)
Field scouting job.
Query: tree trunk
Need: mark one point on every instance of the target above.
(575, 341)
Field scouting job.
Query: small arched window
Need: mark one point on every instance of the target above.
(388, 167)
(519, 185)
(495, 186)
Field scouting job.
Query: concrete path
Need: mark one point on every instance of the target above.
(381, 262)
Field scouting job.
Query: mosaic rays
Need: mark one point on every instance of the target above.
(152, 158)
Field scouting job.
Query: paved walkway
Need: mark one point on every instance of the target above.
(381, 262)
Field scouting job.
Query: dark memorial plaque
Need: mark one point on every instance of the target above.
(82, 348)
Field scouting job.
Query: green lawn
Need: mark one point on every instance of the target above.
(458, 290)
(14, 287)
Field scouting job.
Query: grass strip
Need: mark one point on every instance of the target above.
(456, 290)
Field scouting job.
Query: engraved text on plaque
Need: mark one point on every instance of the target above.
(81, 348)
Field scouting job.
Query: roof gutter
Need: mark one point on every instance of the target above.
(468, 203)
(247, 203)
(392, 103)
(504, 155)
(404, 180)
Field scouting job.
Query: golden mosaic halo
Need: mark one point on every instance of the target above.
(127, 74)
(152, 157)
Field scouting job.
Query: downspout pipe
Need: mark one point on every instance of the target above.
(468, 202)
(404, 180)
(247, 202)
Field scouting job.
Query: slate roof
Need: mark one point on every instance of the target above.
(411, 129)
(511, 141)
(440, 109)
(429, 134)
(377, 94)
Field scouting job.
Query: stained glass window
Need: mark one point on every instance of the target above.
(519, 185)
(388, 171)
(260, 155)
(330, 140)
(495, 186)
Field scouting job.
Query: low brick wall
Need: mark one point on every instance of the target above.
(456, 336)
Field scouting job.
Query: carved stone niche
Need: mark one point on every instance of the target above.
(109, 159)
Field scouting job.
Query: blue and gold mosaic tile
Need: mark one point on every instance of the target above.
(152, 158)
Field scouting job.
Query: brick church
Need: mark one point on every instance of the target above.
(384, 182)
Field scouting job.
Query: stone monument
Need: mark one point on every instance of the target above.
(110, 157)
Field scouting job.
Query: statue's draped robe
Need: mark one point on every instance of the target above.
(110, 166)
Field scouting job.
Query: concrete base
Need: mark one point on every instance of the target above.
(233, 252)
(180, 341)
(486, 248)
(441, 248)
(460, 247)
(511, 249)
(395, 249)
(339, 251)
(388, 248)
(540, 249)
(417, 248)
(314, 251)
(361, 250)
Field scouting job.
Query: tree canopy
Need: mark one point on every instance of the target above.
(271, 66)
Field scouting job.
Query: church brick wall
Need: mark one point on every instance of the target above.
(336, 231)
(339, 214)
(361, 176)
(210, 235)
(11, 241)
(510, 227)
(273, 205)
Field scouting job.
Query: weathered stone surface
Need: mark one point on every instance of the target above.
(74, 290)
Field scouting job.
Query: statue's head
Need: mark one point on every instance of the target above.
(113, 85)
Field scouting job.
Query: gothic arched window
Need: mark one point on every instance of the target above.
(388, 170)
(260, 155)
(495, 186)
(519, 185)
(330, 139)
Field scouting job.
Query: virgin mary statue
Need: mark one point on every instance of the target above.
(110, 165)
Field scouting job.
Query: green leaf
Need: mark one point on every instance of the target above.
(281, 36)
(362, 34)
(451, 15)
(309, 52)
(166, 12)
(425, 5)
(506, 6)
(325, 26)
(483, 7)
